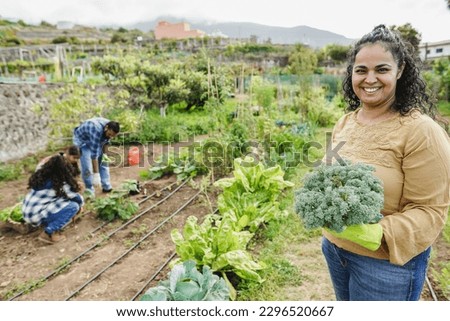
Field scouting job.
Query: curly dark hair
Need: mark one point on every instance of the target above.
(411, 92)
(59, 171)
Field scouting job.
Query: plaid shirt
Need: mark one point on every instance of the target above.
(91, 134)
(39, 203)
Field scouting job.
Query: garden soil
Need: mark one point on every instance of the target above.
(24, 259)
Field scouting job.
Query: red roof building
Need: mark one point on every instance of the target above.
(181, 30)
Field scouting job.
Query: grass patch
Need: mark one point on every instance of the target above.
(441, 270)
(446, 230)
(444, 108)
(26, 287)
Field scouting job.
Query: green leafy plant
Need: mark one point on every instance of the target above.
(9, 172)
(130, 186)
(116, 205)
(339, 195)
(251, 196)
(186, 283)
(215, 243)
(13, 213)
(443, 278)
(182, 166)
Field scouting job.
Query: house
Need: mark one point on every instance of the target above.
(433, 50)
(181, 30)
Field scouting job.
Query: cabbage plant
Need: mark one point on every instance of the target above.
(186, 283)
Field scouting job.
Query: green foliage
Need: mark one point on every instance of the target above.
(128, 119)
(314, 108)
(13, 213)
(264, 92)
(215, 243)
(118, 38)
(115, 205)
(444, 280)
(254, 48)
(409, 34)
(175, 127)
(285, 147)
(152, 84)
(446, 231)
(71, 104)
(46, 24)
(18, 66)
(197, 86)
(9, 172)
(441, 272)
(250, 198)
(186, 283)
(302, 61)
(60, 39)
(337, 53)
(279, 274)
(338, 195)
(441, 68)
(130, 186)
(183, 165)
(161, 83)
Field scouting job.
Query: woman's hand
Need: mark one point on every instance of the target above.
(366, 235)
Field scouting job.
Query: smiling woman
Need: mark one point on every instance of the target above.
(374, 81)
(390, 126)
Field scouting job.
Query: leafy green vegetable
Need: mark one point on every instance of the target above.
(250, 197)
(116, 205)
(179, 164)
(130, 186)
(186, 283)
(339, 195)
(215, 243)
(13, 213)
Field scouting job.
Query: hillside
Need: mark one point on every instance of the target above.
(278, 35)
(12, 33)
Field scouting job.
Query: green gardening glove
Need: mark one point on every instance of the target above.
(366, 235)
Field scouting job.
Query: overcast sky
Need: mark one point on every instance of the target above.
(351, 18)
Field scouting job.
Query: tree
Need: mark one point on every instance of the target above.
(162, 85)
(148, 84)
(302, 61)
(441, 68)
(60, 39)
(118, 37)
(337, 53)
(46, 24)
(409, 34)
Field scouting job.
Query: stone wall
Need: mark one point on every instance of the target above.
(22, 130)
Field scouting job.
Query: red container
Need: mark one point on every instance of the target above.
(133, 156)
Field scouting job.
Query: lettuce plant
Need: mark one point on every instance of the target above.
(339, 195)
(215, 243)
(13, 213)
(250, 196)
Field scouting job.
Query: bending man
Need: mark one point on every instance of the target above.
(91, 137)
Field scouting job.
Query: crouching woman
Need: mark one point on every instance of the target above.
(53, 199)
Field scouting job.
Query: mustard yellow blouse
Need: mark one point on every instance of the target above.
(411, 155)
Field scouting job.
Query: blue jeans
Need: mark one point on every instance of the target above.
(361, 278)
(55, 222)
(87, 171)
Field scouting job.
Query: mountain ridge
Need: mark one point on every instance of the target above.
(277, 35)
